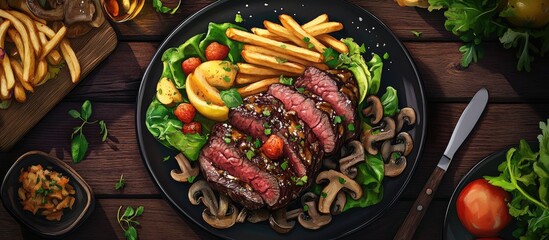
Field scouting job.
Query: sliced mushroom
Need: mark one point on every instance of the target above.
(339, 203)
(199, 192)
(369, 138)
(312, 219)
(279, 220)
(242, 215)
(259, 215)
(374, 110)
(55, 14)
(225, 217)
(406, 115)
(346, 164)
(337, 182)
(185, 170)
(395, 165)
(99, 18)
(79, 11)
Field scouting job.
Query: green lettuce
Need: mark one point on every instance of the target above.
(389, 101)
(370, 176)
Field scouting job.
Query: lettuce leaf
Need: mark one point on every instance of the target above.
(370, 176)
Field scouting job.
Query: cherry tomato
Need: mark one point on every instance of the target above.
(273, 147)
(185, 112)
(529, 13)
(216, 51)
(482, 208)
(190, 64)
(192, 128)
(113, 8)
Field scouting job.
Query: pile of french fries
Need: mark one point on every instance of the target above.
(283, 49)
(35, 47)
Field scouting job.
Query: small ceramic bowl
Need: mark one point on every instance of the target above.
(72, 218)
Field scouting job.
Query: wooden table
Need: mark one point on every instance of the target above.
(518, 101)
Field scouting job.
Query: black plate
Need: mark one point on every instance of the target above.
(72, 218)
(399, 71)
(453, 229)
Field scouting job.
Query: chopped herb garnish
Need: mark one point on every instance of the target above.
(376, 131)
(238, 18)
(386, 56)
(396, 155)
(266, 112)
(300, 89)
(227, 140)
(305, 208)
(257, 143)
(166, 158)
(310, 45)
(324, 194)
(227, 69)
(248, 139)
(282, 46)
(226, 78)
(281, 60)
(306, 39)
(362, 48)
(191, 179)
(266, 125)
(351, 127)
(160, 91)
(337, 119)
(284, 165)
(301, 181)
(286, 80)
(342, 180)
(121, 183)
(416, 33)
(298, 127)
(267, 131)
(249, 154)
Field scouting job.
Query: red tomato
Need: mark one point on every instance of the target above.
(273, 147)
(482, 208)
(113, 8)
(192, 128)
(185, 112)
(190, 64)
(216, 51)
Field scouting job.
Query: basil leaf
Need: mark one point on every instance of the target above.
(139, 211)
(231, 98)
(79, 147)
(130, 233)
(74, 114)
(86, 110)
(129, 212)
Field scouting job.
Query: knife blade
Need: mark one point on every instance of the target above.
(464, 126)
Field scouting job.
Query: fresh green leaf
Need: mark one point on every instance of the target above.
(281, 60)
(128, 212)
(370, 176)
(389, 101)
(416, 33)
(300, 89)
(74, 114)
(166, 158)
(286, 80)
(231, 98)
(284, 165)
(159, 7)
(238, 18)
(521, 40)
(121, 183)
(86, 110)
(249, 154)
(130, 233)
(386, 56)
(79, 147)
(104, 131)
(191, 179)
(257, 143)
(267, 131)
(354, 62)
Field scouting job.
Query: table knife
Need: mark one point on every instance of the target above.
(464, 126)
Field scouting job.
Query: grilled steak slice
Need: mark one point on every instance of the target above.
(300, 145)
(306, 110)
(327, 87)
(231, 186)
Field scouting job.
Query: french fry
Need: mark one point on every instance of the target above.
(4, 92)
(283, 56)
(333, 43)
(8, 72)
(72, 61)
(253, 69)
(29, 23)
(289, 23)
(19, 93)
(324, 28)
(283, 32)
(16, 38)
(242, 78)
(272, 62)
(54, 41)
(54, 58)
(322, 18)
(265, 33)
(257, 87)
(28, 55)
(41, 72)
(250, 38)
(18, 71)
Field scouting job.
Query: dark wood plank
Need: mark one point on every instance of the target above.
(118, 77)
(501, 126)
(151, 25)
(160, 221)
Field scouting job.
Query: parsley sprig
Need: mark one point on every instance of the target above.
(127, 219)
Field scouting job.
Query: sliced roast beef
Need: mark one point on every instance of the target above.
(326, 86)
(306, 110)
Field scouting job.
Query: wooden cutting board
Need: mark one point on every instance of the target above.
(18, 119)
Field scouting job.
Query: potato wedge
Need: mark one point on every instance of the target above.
(272, 62)
(337, 45)
(295, 29)
(257, 87)
(29, 23)
(250, 38)
(167, 93)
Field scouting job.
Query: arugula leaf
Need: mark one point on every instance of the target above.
(159, 7)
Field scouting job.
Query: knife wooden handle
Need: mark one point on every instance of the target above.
(408, 228)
